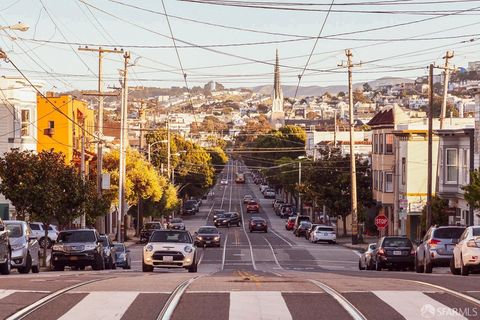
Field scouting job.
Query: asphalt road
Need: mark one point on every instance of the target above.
(270, 275)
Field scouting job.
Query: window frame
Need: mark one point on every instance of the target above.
(385, 182)
(464, 167)
(404, 171)
(25, 130)
(380, 143)
(375, 143)
(389, 144)
(380, 180)
(453, 166)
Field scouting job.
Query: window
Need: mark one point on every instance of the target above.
(465, 171)
(34, 226)
(375, 143)
(451, 165)
(380, 182)
(388, 182)
(404, 170)
(375, 179)
(51, 124)
(25, 130)
(380, 143)
(388, 143)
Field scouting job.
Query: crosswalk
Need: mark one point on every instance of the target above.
(240, 305)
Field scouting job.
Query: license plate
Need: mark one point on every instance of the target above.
(208, 242)
(73, 258)
(325, 234)
(259, 225)
(168, 258)
(397, 253)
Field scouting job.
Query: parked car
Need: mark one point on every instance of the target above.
(207, 236)
(436, 248)
(310, 230)
(24, 246)
(217, 213)
(287, 211)
(276, 203)
(190, 207)
(176, 223)
(289, 223)
(257, 224)
(365, 261)
(269, 194)
(253, 206)
(108, 252)
(466, 254)
(122, 256)
(78, 248)
(263, 187)
(302, 228)
(247, 198)
(38, 230)
(170, 249)
(393, 252)
(5, 262)
(198, 200)
(323, 233)
(228, 219)
(299, 219)
(148, 229)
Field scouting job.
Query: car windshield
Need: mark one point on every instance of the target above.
(476, 232)
(448, 233)
(15, 230)
(305, 225)
(76, 236)
(176, 220)
(208, 230)
(252, 203)
(396, 242)
(104, 240)
(170, 236)
(218, 211)
(152, 226)
(228, 215)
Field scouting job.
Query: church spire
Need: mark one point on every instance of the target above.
(277, 90)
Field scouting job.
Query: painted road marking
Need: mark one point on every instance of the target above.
(258, 305)
(411, 304)
(101, 305)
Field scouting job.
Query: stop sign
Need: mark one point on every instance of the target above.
(381, 221)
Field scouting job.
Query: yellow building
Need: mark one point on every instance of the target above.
(56, 131)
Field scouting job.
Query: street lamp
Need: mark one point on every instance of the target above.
(16, 27)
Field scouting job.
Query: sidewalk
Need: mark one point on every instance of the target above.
(347, 242)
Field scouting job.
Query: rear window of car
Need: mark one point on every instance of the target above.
(305, 224)
(190, 203)
(448, 233)
(258, 220)
(476, 231)
(76, 236)
(153, 226)
(324, 229)
(396, 242)
(208, 230)
(170, 236)
(119, 247)
(252, 203)
(176, 220)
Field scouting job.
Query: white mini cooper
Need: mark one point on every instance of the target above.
(169, 249)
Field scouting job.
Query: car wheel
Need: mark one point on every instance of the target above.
(453, 270)
(194, 266)
(146, 267)
(464, 270)
(99, 263)
(378, 266)
(238, 224)
(28, 265)
(228, 225)
(427, 265)
(5, 267)
(360, 265)
(58, 267)
(418, 268)
(113, 264)
(36, 268)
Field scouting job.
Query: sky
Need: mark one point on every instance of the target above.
(234, 42)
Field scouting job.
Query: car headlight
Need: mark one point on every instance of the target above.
(187, 249)
(57, 247)
(216, 238)
(199, 238)
(90, 247)
(149, 248)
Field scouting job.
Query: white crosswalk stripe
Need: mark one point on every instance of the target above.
(5, 293)
(414, 304)
(265, 305)
(101, 305)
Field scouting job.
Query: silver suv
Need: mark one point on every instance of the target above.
(436, 248)
(25, 250)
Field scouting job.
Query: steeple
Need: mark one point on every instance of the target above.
(277, 116)
(277, 89)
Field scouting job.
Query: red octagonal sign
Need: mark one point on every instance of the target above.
(381, 221)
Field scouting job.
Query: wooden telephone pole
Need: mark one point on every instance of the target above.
(446, 68)
(102, 226)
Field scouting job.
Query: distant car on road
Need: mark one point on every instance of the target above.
(148, 229)
(253, 206)
(466, 254)
(5, 263)
(436, 248)
(38, 230)
(300, 219)
(393, 252)
(247, 198)
(108, 252)
(365, 260)
(310, 230)
(207, 236)
(224, 181)
(24, 246)
(257, 224)
(78, 248)
(176, 224)
(290, 223)
(269, 194)
(122, 256)
(323, 233)
(170, 249)
(217, 213)
(302, 228)
(228, 219)
(286, 211)
(190, 207)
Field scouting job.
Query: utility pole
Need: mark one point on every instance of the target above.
(353, 173)
(82, 168)
(123, 143)
(168, 148)
(335, 127)
(447, 57)
(106, 225)
(299, 183)
(430, 137)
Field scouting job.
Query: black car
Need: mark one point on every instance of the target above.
(302, 228)
(148, 229)
(108, 252)
(5, 264)
(190, 207)
(257, 224)
(393, 253)
(78, 249)
(207, 236)
(217, 213)
(228, 219)
(176, 224)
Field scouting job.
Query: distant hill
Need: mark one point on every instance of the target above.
(289, 91)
